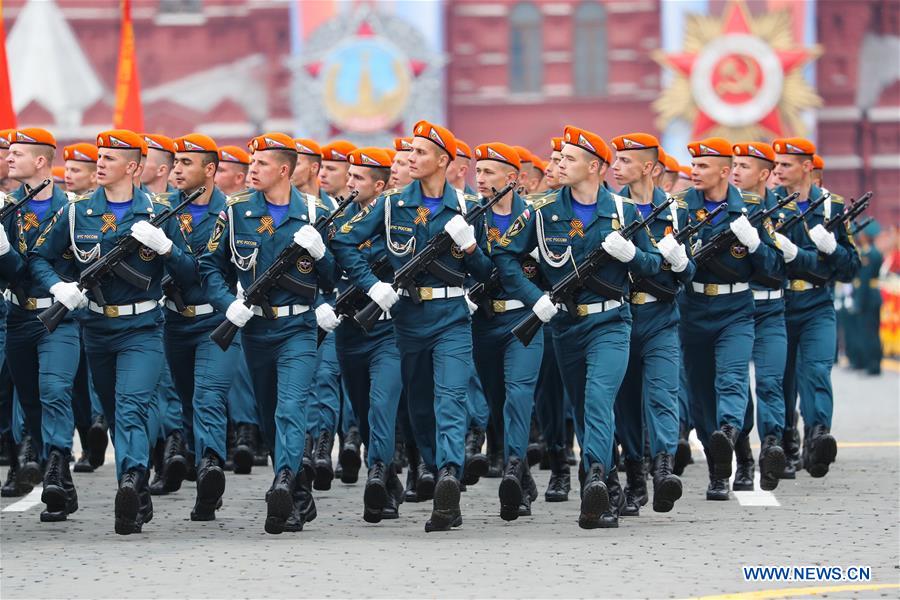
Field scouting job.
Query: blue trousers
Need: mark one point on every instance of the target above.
(126, 368)
(325, 393)
(241, 403)
(509, 373)
(476, 401)
(811, 336)
(551, 402)
(43, 367)
(769, 358)
(436, 373)
(202, 374)
(717, 333)
(85, 404)
(165, 413)
(370, 365)
(282, 362)
(592, 355)
(649, 392)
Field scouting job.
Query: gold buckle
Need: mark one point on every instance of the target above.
(499, 306)
(798, 285)
(30, 304)
(639, 298)
(426, 293)
(189, 311)
(711, 289)
(111, 310)
(582, 310)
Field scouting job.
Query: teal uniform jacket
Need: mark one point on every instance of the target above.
(87, 223)
(240, 235)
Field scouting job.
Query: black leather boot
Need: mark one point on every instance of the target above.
(128, 503)
(511, 493)
(424, 482)
(790, 442)
(210, 487)
(375, 497)
(280, 501)
(391, 510)
(609, 519)
(529, 492)
(245, 444)
(717, 488)
(59, 490)
(721, 449)
(822, 451)
(594, 498)
(412, 474)
(175, 463)
(158, 485)
(7, 456)
(399, 459)
(476, 461)
(560, 478)
(349, 457)
(261, 457)
(534, 451)
(445, 513)
(683, 451)
(570, 443)
(146, 501)
(743, 455)
(83, 464)
(635, 488)
(666, 485)
(322, 461)
(29, 464)
(304, 507)
(772, 462)
(98, 440)
(15, 485)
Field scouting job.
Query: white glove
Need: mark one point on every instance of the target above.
(674, 253)
(326, 318)
(746, 233)
(238, 313)
(618, 247)
(307, 237)
(472, 306)
(462, 233)
(69, 294)
(383, 295)
(545, 309)
(823, 239)
(151, 236)
(788, 248)
(4, 241)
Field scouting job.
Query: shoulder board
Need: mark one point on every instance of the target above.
(77, 198)
(391, 192)
(750, 198)
(622, 198)
(471, 198)
(792, 205)
(544, 200)
(321, 204)
(238, 198)
(679, 196)
(681, 203)
(161, 198)
(837, 199)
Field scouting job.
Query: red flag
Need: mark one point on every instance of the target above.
(7, 114)
(128, 113)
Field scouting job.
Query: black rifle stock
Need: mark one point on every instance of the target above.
(437, 246)
(275, 275)
(113, 263)
(346, 302)
(565, 289)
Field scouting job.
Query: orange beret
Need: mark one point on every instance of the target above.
(82, 152)
(714, 146)
(234, 154)
(759, 150)
(59, 174)
(337, 150)
(463, 150)
(391, 152)
(31, 135)
(540, 164)
(500, 152)
(308, 146)
(274, 140)
(684, 172)
(159, 142)
(818, 162)
(403, 144)
(196, 142)
(794, 145)
(121, 139)
(370, 157)
(586, 140)
(634, 141)
(4, 137)
(556, 144)
(672, 165)
(662, 155)
(440, 136)
(524, 154)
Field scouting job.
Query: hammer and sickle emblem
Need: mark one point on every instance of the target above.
(738, 75)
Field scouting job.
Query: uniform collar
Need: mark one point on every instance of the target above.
(58, 198)
(517, 207)
(257, 206)
(412, 195)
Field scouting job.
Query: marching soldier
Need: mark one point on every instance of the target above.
(591, 346)
(400, 164)
(157, 165)
(281, 351)
(123, 338)
(42, 364)
(818, 170)
(81, 168)
(459, 168)
(434, 336)
(867, 302)
(810, 319)
(751, 168)
(650, 387)
(508, 369)
(231, 175)
(717, 317)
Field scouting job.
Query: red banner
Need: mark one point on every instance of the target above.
(128, 113)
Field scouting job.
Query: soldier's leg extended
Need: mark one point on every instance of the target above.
(325, 411)
(550, 409)
(629, 411)
(171, 449)
(480, 415)
(242, 413)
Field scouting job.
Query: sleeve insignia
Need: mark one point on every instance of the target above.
(218, 229)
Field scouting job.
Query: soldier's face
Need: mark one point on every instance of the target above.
(748, 173)
(629, 167)
(266, 171)
(426, 159)
(362, 180)
(576, 164)
(536, 177)
(400, 171)
(116, 164)
(306, 171)
(707, 172)
(333, 176)
(188, 171)
(4, 166)
(790, 170)
(231, 177)
(491, 175)
(551, 175)
(155, 165)
(80, 176)
(22, 162)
